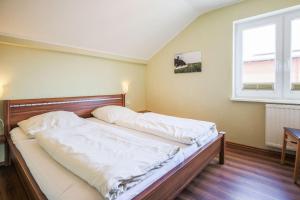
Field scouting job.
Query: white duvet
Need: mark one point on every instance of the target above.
(182, 130)
(107, 158)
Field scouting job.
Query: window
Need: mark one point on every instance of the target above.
(295, 55)
(259, 59)
(267, 57)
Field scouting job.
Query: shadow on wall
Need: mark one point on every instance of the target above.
(1, 109)
(1, 114)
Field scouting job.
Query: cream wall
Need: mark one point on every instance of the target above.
(206, 95)
(32, 73)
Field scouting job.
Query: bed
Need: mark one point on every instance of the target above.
(166, 184)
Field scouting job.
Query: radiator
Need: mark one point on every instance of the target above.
(277, 117)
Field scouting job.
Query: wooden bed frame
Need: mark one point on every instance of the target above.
(167, 187)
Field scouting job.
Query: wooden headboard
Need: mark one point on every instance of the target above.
(18, 110)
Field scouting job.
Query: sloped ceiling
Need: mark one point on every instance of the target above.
(130, 28)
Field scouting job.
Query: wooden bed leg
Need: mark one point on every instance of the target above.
(8, 161)
(7, 158)
(7, 128)
(222, 150)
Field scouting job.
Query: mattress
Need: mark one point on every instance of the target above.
(58, 183)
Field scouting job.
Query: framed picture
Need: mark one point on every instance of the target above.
(188, 62)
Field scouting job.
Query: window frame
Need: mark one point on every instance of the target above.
(287, 92)
(281, 92)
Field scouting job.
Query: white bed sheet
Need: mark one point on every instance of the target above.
(58, 183)
(188, 149)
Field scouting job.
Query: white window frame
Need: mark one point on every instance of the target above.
(287, 92)
(281, 92)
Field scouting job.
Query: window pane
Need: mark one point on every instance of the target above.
(295, 64)
(259, 45)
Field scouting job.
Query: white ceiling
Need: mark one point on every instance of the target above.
(130, 28)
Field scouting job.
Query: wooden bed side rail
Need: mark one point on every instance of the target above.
(171, 184)
(30, 186)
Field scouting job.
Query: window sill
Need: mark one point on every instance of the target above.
(275, 101)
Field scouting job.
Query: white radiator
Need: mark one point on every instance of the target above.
(277, 117)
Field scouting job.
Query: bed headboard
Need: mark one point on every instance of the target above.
(18, 110)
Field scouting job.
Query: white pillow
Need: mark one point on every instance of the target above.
(50, 120)
(111, 114)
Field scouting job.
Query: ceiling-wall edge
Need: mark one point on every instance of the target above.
(19, 41)
(188, 24)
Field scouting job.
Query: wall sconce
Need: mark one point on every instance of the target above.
(125, 87)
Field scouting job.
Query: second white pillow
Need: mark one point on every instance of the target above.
(111, 114)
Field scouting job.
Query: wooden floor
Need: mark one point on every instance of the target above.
(10, 186)
(245, 176)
